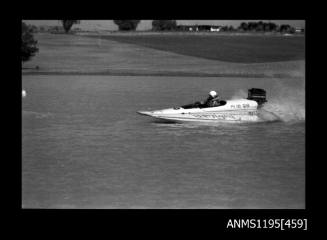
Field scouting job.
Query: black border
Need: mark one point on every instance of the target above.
(210, 220)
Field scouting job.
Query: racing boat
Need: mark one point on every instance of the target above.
(236, 110)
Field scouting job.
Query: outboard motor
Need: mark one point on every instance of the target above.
(258, 95)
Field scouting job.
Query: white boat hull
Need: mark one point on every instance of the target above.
(242, 110)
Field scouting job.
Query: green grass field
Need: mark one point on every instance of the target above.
(232, 48)
(140, 54)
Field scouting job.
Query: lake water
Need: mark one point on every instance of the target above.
(84, 146)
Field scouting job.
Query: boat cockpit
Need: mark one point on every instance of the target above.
(201, 105)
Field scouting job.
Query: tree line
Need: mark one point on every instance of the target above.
(171, 25)
(265, 27)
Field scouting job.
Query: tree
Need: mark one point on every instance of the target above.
(28, 48)
(286, 28)
(33, 28)
(243, 26)
(266, 27)
(164, 25)
(260, 26)
(231, 28)
(67, 24)
(127, 25)
(273, 27)
(224, 28)
(252, 26)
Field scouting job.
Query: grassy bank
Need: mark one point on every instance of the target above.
(82, 55)
(228, 48)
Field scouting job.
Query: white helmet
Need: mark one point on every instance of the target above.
(213, 94)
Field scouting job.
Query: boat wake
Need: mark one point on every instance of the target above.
(285, 112)
(286, 104)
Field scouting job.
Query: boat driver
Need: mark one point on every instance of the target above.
(213, 99)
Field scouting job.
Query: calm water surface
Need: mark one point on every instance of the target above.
(84, 146)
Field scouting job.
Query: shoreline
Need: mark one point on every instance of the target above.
(159, 74)
(149, 33)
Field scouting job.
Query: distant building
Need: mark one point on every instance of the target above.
(204, 27)
(199, 28)
(215, 28)
(299, 30)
